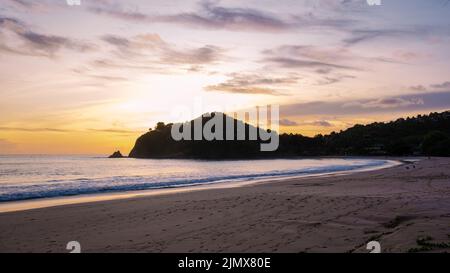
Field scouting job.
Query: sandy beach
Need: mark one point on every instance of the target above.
(405, 208)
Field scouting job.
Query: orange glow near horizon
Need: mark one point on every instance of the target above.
(91, 79)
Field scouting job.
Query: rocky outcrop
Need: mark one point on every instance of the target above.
(116, 154)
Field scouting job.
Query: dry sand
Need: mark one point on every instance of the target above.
(394, 206)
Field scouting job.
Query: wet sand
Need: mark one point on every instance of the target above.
(405, 208)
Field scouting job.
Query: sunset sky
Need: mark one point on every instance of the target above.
(90, 79)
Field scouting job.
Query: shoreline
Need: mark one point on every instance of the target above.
(37, 203)
(395, 206)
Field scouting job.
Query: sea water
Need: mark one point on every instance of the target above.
(32, 176)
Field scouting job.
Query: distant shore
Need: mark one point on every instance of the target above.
(405, 208)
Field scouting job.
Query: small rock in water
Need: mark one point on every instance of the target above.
(116, 154)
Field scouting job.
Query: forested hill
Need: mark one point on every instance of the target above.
(421, 135)
(427, 135)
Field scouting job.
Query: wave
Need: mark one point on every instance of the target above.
(56, 188)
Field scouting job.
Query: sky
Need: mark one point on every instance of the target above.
(91, 78)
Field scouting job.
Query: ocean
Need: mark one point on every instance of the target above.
(41, 176)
